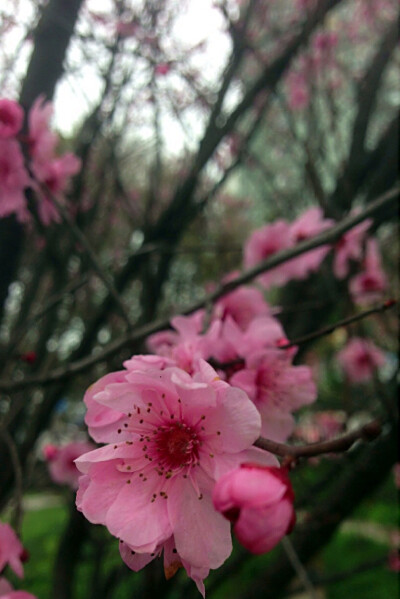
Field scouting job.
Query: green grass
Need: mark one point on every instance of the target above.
(40, 532)
(348, 549)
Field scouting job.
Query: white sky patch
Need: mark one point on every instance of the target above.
(199, 22)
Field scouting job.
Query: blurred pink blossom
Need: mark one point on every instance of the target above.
(11, 118)
(394, 560)
(55, 175)
(124, 29)
(349, 248)
(259, 502)
(369, 285)
(163, 68)
(61, 461)
(298, 92)
(242, 305)
(277, 388)
(14, 179)
(360, 359)
(264, 243)
(12, 552)
(309, 224)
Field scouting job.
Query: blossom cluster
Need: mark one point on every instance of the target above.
(29, 161)
(178, 424)
(176, 421)
(353, 248)
(12, 554)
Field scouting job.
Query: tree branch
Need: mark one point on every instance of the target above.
(328, 236)
(368, 432)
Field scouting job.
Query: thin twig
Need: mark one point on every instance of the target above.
(298, 567)
(339, 576)
(12, 448)
(368, 432)
(340, 323)
(81, 238)
(53, 302)
(327, 237)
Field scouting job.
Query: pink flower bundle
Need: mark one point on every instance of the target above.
(44, 172)
(152, 488)
(360, 359)
(61, 461)
(12, 554)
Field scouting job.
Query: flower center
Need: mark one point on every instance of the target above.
(177, 446)
(370, 283)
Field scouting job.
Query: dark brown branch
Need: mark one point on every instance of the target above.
(327, 237)
(368, 432)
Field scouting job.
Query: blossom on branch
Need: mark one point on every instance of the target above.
(12, 552)
(61, 461)
(369, 285)
(266, 242)
(11, 118)
(360, 359)
(153, 490)
(349, 248)
(309, 224)
(14, 179)
(259, 502)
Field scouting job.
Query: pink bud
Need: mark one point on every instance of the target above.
(29, 357)
(259, 501)
(50, 452)
(162, 68)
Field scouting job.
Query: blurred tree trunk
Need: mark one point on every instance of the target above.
(50, 42)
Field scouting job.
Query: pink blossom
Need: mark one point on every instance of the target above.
(189, 345)
(61, 462)
(360, 359)
(11, 118)
(55, 175)
(162, 342)
(394, 560)
(12, 552)
(348, 248)
(299, 95)
(242, 305)
(262, 332)
(259, 501)
(277, 388)
(266, 242)
(309, 224)
(13, 179)
(325, 41)
(5, 587)
(320, 426)
(153, 491)
(162, 68)
(124, 29)
(369, 285)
